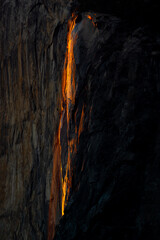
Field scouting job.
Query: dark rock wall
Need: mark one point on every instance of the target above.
(136, 11)
(116, 182)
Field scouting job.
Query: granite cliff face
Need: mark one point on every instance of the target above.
(115, 191)
(29, 85)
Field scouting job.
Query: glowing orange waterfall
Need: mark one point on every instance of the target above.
(62, 178)
(68, 91)
(60, 187)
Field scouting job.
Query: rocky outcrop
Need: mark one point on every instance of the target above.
(115, 185)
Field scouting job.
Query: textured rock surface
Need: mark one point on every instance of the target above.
(31, 53)
(115, 192)
(116, 181)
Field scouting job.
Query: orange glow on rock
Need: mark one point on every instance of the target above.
(81, 124)
(91, 18)
(55, 196)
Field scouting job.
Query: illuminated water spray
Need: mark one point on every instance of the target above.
(61, 185)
